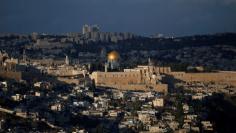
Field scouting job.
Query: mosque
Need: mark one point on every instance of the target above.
(140, 78)
(150, 77)
(113, 61)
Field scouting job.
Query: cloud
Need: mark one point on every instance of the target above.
(229, 1)
(139, 16)
(210, 1)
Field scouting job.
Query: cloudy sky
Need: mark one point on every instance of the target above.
(145, 17)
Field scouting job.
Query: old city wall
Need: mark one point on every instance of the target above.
(11, 75)
(126, 81)
(120, 78)
(219, 77)
(140, 87)
(69, 81)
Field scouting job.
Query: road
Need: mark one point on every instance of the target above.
(24, 117)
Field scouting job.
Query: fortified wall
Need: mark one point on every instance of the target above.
(130, 79)
(226, 77)
(8, 70)
(150, 77)
(11, 75)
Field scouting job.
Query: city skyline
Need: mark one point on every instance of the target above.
(142, 17)
(118, 66)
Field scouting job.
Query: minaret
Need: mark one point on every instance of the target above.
(67, 62)
(103, 54)
(24, 56)
(106, 67)
(150, 62)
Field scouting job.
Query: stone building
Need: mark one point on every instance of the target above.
(140, 78)
(8, 68)
(151, 78)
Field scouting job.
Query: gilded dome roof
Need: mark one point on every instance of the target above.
(113, 55)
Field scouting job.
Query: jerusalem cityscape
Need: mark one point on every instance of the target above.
(117, 66)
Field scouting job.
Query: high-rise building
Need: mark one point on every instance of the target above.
(24, 56)
(86, 29)
(94, 28)
(34, 36)
(93, 33)
(95, 36)
(90, 29)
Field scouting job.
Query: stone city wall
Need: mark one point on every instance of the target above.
(120, 78)
(228, 77)
(126, 81)
(11, 75)
(139, 87)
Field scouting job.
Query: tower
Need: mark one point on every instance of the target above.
(94, 28)
(67, 62)
(34, 36)
(86, 29)
(103, 53)
(150, 62)
(106, 67)
(24, 56)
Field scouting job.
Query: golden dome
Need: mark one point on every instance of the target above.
(113, 55)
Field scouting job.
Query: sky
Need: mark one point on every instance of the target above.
(143, 17)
